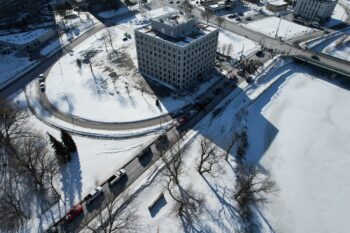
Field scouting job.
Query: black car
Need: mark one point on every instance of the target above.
(315, 57)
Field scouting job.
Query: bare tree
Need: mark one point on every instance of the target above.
(209, 158)
(12, 215)
(206, 15)
(34, 161)
(12, 118)
(251, 188)
(173, 163)
(110, 38)
(116, 217)
(219, 20)
(189, 204)
(230, 146)
(229, 49)
(224, 46)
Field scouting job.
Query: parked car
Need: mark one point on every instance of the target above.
(192, 113)
(238, 19)
(217, 91)
(73, 213)
(240, 13)
(42, 87)
(259, 53)
(41, 78)
(171, 2)
(116, 177)
(249, 79)
(182, 120)
(315, 57)
(232, 16)
(248, 18)
(93, 195)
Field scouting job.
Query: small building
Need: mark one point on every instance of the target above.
(28, 41)
(222, 5)
(277, 5)
(176, 50)
(215, 8)
(253, 1)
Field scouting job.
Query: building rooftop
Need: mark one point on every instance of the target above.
(24, 37)
(198, 31)
(172, 19)
(277, 2)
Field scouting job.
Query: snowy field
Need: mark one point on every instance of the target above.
(274, 26)
(337, 45)
(113, 83)
(240, 45)
(308, 167)
(298, 133)
(11, 64)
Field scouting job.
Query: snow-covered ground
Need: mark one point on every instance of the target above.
(240, 45)
(117, 86)
(336, 45)
(297, 133)
(12, 64)
(70, 30)
(114, 83)
(278, 27)
(96, 160)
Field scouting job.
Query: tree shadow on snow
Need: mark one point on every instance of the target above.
(72, 180)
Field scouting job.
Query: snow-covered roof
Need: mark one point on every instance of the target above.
(24, 37)
(199, 31)
(277, 2)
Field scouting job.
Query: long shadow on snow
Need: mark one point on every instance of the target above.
(72, 180)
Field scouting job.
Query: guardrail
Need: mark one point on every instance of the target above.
(323, 65)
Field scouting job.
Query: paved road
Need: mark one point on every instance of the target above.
(51, 109)
(136, 167)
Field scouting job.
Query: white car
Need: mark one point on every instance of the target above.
(41, 78)
(42, 87)
(116, 177)
(94, 194)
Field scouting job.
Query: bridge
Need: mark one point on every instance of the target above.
(339, 69)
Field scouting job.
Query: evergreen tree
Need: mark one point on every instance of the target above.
(61, 151)
(68, 141)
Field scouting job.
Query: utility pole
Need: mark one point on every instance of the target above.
(278, 27)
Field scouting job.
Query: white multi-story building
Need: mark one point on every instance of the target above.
(315, 10)
(176, 50)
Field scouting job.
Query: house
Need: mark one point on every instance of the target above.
(28, 41)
